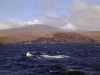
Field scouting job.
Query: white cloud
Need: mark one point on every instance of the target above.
(32, 22)
(69, 26)
(47, 20)
(52, 20)
(86, 17)
(57, 22)
(11, 23)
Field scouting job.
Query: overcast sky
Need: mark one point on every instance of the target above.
(64, 14)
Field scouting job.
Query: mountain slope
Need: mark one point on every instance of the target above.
(43, 33)
(93, 34)
(64, 37)
(26, 33)
(37, 28)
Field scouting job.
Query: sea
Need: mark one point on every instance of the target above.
(47, 57)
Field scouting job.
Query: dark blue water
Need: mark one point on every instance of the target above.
(75, 56)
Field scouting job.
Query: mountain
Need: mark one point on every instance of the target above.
(34, 29)
(43, 33)
(25, 33)
(92, 34)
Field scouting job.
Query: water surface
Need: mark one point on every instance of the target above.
(76, 56)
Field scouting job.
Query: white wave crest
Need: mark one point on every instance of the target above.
(55, 57)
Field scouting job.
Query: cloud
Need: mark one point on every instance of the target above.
(11, 23)
(86, 17)
(57, 22)
(69, 26)
(47, 20)
(52, 20)
(46, 6)
(32, 22)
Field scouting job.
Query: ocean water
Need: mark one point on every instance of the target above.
(47, 57)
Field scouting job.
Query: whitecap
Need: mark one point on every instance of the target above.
(55, 57)
(30, 54)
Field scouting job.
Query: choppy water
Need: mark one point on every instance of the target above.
(75, 56)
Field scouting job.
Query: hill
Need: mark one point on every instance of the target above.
(63, 37)
(93, 34)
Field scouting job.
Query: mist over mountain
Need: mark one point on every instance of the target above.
(28, 32)
(35, 29)
(43, 33)
(34, 32)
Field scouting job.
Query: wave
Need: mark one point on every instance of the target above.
(54, 57)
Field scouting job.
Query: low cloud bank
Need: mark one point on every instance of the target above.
(85, 16)
(48, 20)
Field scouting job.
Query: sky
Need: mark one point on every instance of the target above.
(63, 14)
